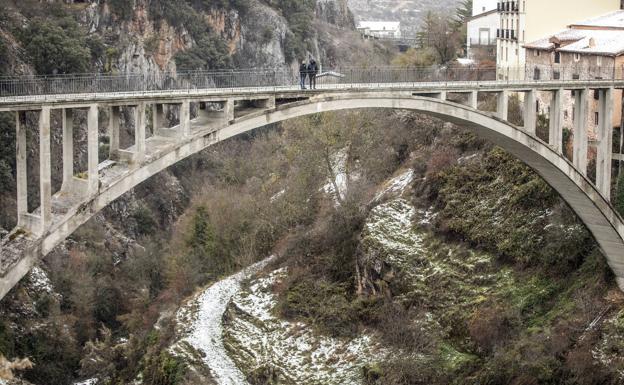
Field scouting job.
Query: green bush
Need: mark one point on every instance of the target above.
(144, 220)
(210, 52)
(325, 305)
(500, 204)
(123, 9)
(56, 46)
(164, 369)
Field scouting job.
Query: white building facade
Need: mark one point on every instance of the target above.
(481, 35)
(380, 29)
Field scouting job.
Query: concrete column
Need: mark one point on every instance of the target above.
(45, 169)
(158, 117)
(530, 114)
(580, 130)
(139, 132)
(93, 179)
(185, 118)
(113, 132)
(270, 103)
(474, 100)
(605, 143)
(68, 148)
(502, 105)
(21, 169)
(555, 136)
(228, 110)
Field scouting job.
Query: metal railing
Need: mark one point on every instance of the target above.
(348, 77)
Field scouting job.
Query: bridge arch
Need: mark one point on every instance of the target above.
(582, 196)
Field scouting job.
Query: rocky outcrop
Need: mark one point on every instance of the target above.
(335, 12)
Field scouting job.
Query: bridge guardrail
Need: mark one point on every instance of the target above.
(340, 77)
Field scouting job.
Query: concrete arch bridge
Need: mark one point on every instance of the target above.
(231, 103)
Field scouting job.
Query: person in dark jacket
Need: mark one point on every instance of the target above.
(312, 72)
(303, 73)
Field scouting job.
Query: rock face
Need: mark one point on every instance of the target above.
(335, 12)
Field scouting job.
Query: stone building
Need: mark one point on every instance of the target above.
(525, 21)
(591, 49)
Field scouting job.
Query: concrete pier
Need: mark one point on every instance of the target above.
(139, 132)
(555, 131)
(605, 142)
(113, 132)
(158, 117)
(502, 105)
(580, 130)
(530, 112)
(92, 149)
(474, 100)
(185, 118)
(68, 148)
(21, 173)
(228, 110)
(45, 169)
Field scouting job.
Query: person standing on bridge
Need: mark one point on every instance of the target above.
(312, 72)
(303, 74)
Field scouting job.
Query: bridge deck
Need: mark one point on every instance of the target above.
(77, 100)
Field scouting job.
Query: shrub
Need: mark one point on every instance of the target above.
(56, 46)
(490, 326)
(210, 52)
(164, 369)
(123, 9)
(145, 222)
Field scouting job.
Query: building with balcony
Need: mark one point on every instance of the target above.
(589, 49)
(481, 30)
(524, 21)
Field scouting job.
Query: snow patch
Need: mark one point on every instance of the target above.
(204, 316)
(39, 280)
(277, 195)
(396, 185)
(91, 381)
(256, 338)
(339, 166)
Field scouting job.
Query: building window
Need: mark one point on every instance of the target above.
(577, 57)
(557, 57)
(536, 74)
(596, 118)
(537, 106)
(596, 95)
(575, 77)
(556, 75)
(599, 61)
